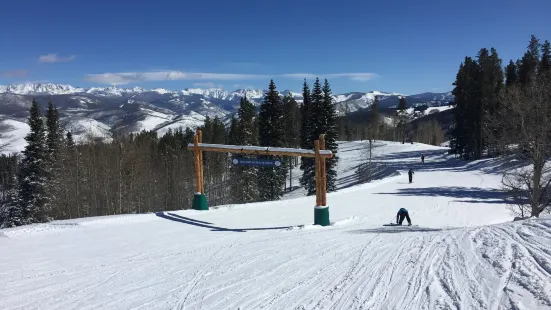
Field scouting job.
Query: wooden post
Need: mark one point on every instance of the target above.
(201, 175)
(317, 170)
(197, 161)
(321, 211)
(323, 174)
(199, 199)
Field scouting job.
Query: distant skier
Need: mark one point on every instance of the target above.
(423, 158)
(402, 213)
(410, 174)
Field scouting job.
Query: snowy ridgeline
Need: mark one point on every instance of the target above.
(465, 252)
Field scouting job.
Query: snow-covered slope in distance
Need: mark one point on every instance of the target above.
(12, 139)
(192, 120)
(465, 254)
(82, 128)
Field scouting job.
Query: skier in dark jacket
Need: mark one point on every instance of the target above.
(423, 159)
(410, 174)
(402, 213)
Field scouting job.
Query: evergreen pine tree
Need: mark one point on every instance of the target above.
(245, 131)
(54, 133)
(188, 136)
(511, 74)
(530, 61)
(11, 212)
(329, 128)
(33, 171)
(54, 162)
(314, 120)
(305, 124)
(545, 64)
(466, 135)
(306, 142)
(402, 104)
(70, 141)
(291, 116)
(232, 134)
(271, 180)
(459, 136)
(491, 83)
(374, 119)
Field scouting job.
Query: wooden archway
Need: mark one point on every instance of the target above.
(319, 153)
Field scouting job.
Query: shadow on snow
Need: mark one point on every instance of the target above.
(190, 221)
(479, 195)
(393, 230)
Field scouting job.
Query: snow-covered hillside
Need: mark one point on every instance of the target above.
(465, 254)
(81, 128)
(12, 139)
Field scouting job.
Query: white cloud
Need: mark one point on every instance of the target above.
(300, 76)
(360, 77)
(51, 58)
(135, 77)
(15, 73)
(207, 85)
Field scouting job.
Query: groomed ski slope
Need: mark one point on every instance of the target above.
(465, 254)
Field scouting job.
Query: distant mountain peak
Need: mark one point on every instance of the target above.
(102, 111)
(187, 97)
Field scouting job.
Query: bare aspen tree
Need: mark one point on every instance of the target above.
(526, 119)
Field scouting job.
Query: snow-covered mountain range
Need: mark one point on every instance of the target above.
(105, 110)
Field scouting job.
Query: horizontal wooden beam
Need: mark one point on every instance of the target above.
(259, 150)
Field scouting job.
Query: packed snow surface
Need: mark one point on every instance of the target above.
(465, 253)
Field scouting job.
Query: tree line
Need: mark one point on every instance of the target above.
(57, 178)
(507, 110)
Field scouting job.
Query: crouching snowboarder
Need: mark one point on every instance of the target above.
(410, 174)
(402, 213)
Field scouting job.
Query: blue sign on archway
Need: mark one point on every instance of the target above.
(256, 162)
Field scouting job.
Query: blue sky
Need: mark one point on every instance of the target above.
(402, 46)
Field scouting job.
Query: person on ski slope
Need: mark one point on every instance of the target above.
(423, 159)
(410, 174)
(402, 213)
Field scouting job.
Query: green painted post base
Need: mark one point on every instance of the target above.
(200, 202)
(321, 216)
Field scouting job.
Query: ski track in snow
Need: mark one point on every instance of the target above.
(462, 255)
